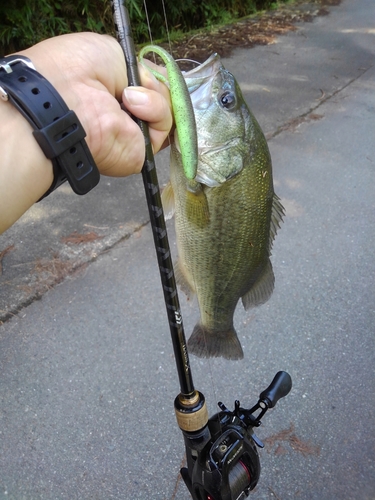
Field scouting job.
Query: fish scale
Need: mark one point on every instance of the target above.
(225, 229)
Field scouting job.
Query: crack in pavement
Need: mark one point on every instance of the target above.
(310, 115)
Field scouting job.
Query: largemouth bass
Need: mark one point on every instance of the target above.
(227, 217)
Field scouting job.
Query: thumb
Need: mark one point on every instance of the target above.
(136, 96)
(152, 107)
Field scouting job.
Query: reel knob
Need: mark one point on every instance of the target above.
(279, 388)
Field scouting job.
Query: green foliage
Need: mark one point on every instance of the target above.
(26, 22)
(192, 14)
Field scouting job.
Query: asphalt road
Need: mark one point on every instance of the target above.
(88, 376)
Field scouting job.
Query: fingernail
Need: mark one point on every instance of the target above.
(135, 96)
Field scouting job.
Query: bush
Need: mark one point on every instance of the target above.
(26, 22)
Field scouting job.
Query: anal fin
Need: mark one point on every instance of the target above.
(262, 289)
(183, 281)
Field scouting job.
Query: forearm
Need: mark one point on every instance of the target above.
(25, 173)
(89, 73)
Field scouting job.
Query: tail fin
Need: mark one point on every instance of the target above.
(206, 343)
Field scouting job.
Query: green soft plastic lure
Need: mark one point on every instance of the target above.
(181, 107)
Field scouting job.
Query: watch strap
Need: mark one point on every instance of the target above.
(57, 129)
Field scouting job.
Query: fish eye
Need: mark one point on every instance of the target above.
(228, 100)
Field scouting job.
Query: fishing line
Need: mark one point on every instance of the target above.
(148, 22)
(211, 378)
(188, 60)
(166, 27)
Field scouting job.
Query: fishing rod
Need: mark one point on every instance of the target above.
(221, 451)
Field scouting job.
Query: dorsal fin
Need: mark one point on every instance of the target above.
(277, 215)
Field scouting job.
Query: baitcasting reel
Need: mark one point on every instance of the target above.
(222, 458)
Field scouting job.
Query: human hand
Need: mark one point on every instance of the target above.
(89, 72)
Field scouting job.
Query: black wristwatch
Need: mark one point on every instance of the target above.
(56, 128)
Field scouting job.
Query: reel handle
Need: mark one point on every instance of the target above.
(278, 388)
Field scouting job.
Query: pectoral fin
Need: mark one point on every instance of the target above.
(262, 289)
(197, 211)
(167, 200)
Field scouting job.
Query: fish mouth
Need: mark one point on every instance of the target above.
(207, 69)
(199, 81)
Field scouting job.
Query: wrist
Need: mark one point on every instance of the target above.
(25, 172)
(44, 64)
(56, 129)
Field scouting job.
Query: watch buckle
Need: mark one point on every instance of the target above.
(8, 62)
